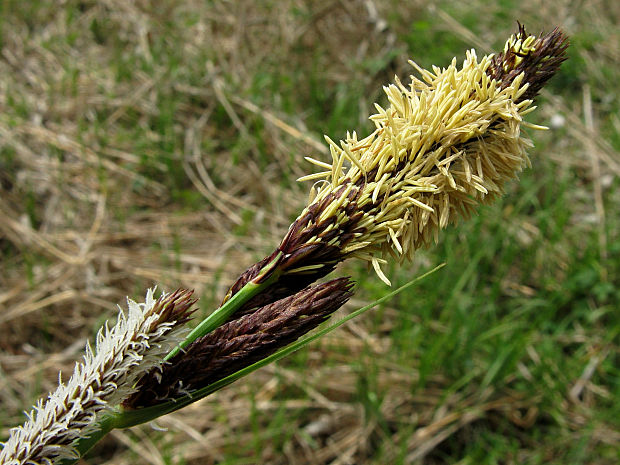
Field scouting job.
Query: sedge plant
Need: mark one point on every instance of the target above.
(448, 140)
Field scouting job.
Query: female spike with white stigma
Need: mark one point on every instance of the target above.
(122, 355)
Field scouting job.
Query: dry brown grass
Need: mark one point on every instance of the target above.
(133, 152)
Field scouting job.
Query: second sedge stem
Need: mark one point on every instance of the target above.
(221, 315)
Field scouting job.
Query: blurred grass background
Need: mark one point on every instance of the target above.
(159, 142)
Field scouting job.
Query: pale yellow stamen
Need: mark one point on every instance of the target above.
(454, 136)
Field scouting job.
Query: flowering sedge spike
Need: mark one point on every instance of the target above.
(106, 376)
(445, 143)
(241, 342)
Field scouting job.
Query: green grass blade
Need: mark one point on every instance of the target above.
(135, 417)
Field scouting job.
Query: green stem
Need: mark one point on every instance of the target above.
(220, 315)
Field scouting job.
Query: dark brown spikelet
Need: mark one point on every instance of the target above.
(176, 306)
(538, 58)
(310, 250)
(241, 342)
